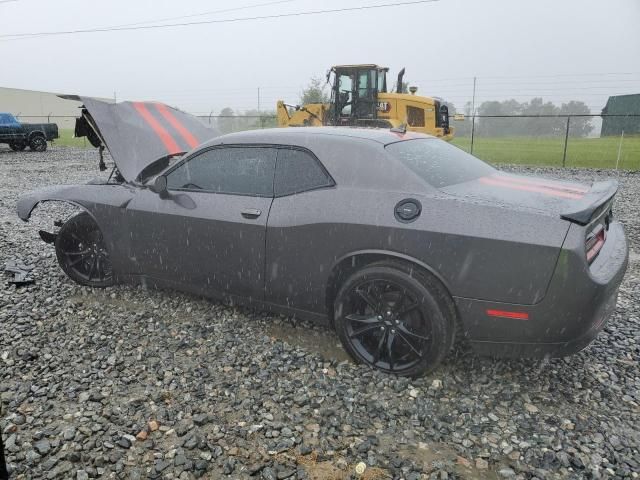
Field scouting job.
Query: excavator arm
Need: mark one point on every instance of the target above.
(302, 116)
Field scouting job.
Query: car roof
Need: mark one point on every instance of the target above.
(294, 135)
(354, 157)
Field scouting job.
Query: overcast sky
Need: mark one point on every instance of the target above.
(560, 50)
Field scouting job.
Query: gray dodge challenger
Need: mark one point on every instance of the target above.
(400, 241)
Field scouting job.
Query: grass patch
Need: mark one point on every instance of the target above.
(68, 140)
(581, 152)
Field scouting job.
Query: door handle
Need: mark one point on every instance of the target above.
(251, 213)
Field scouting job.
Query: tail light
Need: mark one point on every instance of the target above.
(595, 241)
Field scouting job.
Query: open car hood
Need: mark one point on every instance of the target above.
(138, 134)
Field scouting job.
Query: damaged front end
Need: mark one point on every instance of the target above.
(138, 134)
(141, 137)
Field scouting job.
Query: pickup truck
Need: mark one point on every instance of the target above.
(20, 135)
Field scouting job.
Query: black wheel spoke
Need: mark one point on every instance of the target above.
(366, 319)
(406, 354)
(369, 300)
(99, 267)
(379, 295)
(75, 237)
(406, 331)
(397, 308)
(391, 336)
(75, 254)
(93, 267)
(406, 309)
(363, 330)
(410, 344)
(379, 350)
(76, 261)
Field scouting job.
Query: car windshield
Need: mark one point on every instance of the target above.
(437, 162)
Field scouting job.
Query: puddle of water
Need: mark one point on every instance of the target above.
(325, 343)
(322, 341)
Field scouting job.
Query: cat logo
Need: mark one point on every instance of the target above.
(384, 106)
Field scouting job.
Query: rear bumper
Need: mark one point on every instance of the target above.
(579, 301)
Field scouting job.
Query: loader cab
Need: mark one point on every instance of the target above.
(354, 94)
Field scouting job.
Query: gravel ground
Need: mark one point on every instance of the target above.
(130, 383)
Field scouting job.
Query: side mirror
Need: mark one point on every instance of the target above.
(160, 186)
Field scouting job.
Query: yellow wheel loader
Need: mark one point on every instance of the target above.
(359, 97)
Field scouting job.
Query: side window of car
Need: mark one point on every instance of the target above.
(234, 170)
(298, 171)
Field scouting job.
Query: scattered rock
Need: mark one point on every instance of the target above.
(506, 473)
(42, 446)
(312, 427)
(241, 391)
(162, 465)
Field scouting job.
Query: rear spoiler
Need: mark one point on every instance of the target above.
(594, 202)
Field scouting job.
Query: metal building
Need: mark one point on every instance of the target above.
(621, 105)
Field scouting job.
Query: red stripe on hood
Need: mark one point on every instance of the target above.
(169, 143)
(528, 188)
(541, 183)
(175, 123)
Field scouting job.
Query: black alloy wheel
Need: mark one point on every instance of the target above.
(394, 319)
(82, 253)
(38, 143)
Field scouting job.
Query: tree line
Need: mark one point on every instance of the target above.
(527, 126)
(555, 125)
(228, 120)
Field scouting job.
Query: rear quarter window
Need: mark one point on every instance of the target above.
(437, 162)
(297, 171)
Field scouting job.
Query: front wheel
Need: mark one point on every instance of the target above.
(82, 253)
(38, 143)
(394, 318)
(18, 146)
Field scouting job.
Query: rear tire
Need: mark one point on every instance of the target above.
(82, 253)
(17, 146)
(394, 318)
(38, 143)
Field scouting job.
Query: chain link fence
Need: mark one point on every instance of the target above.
(552, 140)
(544, 140)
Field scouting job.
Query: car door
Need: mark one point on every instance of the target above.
(208, 234)
(296, 234)
(7, 127)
